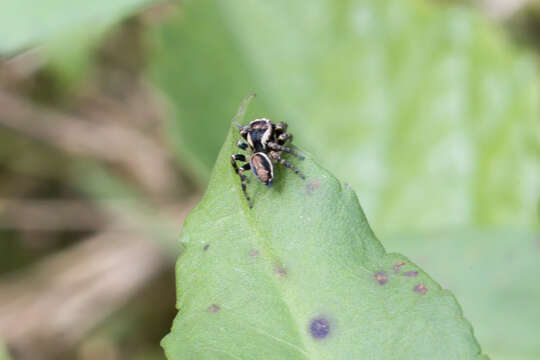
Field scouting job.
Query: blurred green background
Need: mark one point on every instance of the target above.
(112, 114)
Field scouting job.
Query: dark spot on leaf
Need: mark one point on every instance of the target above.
(312, 186)
(347, 185)
(213, 308)
(253, 253)
(319, 328)
(411, 274)
(280, 271)
(381, 277)
(420, 288)
(206, 247)
(398, 265)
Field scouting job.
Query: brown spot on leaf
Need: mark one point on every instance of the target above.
(206, 247)
(381, 277)
(253, 253)
(213, 308)
(411, 274)
(280, 271)
(397, 266)
(312, 186)
(420, 288)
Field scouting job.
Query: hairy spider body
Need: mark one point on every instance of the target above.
(266, 141)
(258, 134)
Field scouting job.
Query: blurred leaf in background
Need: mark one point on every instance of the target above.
(27, 23)
(198, 64)
(426, 111)
(68, 33)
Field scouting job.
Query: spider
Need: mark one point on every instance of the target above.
(265, 140)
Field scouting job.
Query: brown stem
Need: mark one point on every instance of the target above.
(107, 140)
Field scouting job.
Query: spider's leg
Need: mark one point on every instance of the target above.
(246, 167)
(240, 172)
(242, 145)
(278, 147)
(288, 165)
(281, 127)
(283, 138)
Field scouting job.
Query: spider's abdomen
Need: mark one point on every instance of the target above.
(262, 168)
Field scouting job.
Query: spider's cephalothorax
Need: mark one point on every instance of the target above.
(265, 140)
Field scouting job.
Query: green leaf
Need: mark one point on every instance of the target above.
(302, 276)
(26, 23)
(427, 111)
(494, 275)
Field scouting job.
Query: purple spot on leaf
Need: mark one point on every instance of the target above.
(319, 328)
(397, 267)
(381, 277)
(411, 274)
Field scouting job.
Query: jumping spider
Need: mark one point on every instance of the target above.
(265, 140)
